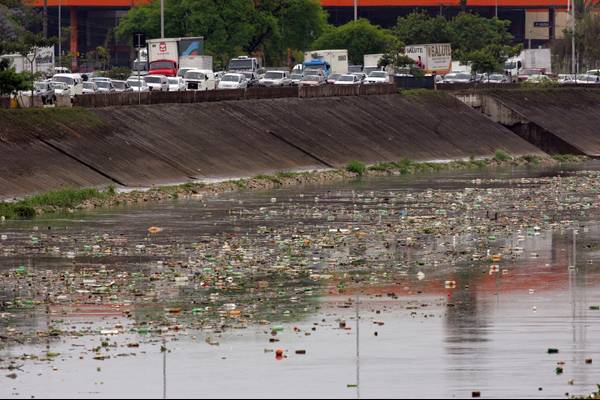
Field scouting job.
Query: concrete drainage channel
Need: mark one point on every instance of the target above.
(558, 121)
(153, 145)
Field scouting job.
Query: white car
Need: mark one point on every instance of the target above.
(138, 85)
(176, 84)
(74, 83)
(587, 79)
(348, 79)
(157, 83)
(275, 79)
(105, 86)
(378, 77)
(233, 81)
(60, 89)
(89, 88)
(200, 79)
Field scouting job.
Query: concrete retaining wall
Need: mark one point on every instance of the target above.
(153, 144)
(557, 120)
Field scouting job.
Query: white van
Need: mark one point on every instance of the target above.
(74, 83)
(199, 79)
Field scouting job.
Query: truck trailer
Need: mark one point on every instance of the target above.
(167, 56)
(330, 61)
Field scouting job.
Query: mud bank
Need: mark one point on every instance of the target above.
(160, 144)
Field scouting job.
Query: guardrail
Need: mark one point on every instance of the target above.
(125, 99)
(493, 86)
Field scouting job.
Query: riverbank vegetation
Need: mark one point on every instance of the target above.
(70, 199)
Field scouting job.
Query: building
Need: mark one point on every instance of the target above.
(91, 23)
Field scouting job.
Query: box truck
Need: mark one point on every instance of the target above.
(330, 61)
(434, 58)
(530, 61)
(168, 56)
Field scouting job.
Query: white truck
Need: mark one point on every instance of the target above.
(371, 63)
(529, 62)
(330, 61)
(434, 58)
(167, 56)
(43, 63)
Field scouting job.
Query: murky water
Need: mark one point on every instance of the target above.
(95, 306)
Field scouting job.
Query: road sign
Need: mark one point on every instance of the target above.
(139, 40)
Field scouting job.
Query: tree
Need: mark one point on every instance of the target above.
(420, 28)
(587, 37)
(233, 27)
(28, 46)
(474, 39)
(359, 37)
(483, 61)
(470, 32)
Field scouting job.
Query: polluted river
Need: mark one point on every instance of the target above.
(453, 284)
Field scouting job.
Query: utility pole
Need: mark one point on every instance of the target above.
(162, 19)
(59, 33)
(573, 56)
(355, 10)
(45, 20)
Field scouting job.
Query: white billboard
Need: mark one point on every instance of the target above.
(431, 58)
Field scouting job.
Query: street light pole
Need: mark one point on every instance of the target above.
(355, 10)
(59, 33)
(162, 19)
(573, 57)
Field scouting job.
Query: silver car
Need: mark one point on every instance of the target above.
(275, 79)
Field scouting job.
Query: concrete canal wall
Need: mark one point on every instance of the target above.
(157, 144)
(557, 120)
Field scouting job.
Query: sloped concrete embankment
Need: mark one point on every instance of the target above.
(148, 145)
(558, 121)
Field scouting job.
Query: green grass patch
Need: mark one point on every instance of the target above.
(569, 158)
(287, 175)
(501, 156)
(269, 178)
(55, 200)
(356, 167)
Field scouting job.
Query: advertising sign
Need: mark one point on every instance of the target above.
(431, 58)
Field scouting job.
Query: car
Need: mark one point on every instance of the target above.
(349, 79)
(233, 81)
(100, 79)
(275, 79)
(361, 75)
(587, 79)
(138, 85)
(45, 91)
(378, 77)
(352, 69)
(527, 73)
(296, 78)
(567, 79)
(496, 79)
(122, 86)
(176, 84)
(157, 83)
(74, 83)
(182, 71)
(539, 79)
(333, 77)
(199, 79)
(593, 72)
(312, 80)
(90, 88)
(251, 78)
(105, 86)
(458, 77)
(60, 88)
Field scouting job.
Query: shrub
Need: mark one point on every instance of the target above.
(356, 167)
(501, 156)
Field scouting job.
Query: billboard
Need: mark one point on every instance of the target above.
(431, 58)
